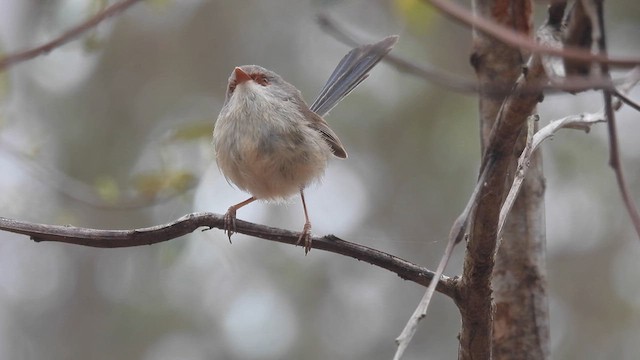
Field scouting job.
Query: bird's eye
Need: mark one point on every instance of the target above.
(232, 87)
(260, 79)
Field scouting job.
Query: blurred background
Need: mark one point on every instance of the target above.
(113, 131)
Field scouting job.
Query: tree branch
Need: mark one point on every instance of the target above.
(625, 99)
(508, 36)
(460, 84)
(598, 35)
(579, 122)
(67, 36)
(502, 120)
(518, 180)
(190, 222)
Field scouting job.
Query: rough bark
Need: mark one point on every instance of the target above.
(521, 325)
(516, 325)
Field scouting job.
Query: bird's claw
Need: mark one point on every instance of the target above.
(230, 222)
(305, 238)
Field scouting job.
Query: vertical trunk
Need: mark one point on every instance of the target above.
(521, 320)
(517, 323)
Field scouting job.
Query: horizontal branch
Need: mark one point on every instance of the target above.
(190, 222)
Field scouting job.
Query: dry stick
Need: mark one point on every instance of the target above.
(456, 83)
(75, 189)
(421, 311)
(424, 70)
(474, 291)
(459, 227)
(456, 235)
(581, 122)
(518, 102)
(189, 223)
(625, 99)
(510, 37)
(518, 180)
(67, 36)
(598, 33)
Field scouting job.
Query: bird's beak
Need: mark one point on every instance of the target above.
(241, 76)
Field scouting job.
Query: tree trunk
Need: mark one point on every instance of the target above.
(518, 318)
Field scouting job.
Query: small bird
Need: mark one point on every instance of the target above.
(270, 143)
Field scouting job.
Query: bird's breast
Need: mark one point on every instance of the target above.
(268, 150)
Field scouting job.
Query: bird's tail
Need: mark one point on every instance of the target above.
(350, 72)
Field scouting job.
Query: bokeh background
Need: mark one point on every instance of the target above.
(114, 131)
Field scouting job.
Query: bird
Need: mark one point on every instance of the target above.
(270, 143)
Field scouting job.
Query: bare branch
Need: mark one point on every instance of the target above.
(424, 70)
(190, 222)
(67, 36)
(577, 34)
(502, 120)
(521, 171)
(421, 311)
(625, 99)
(579, 122)
(456, 83)
(515, 39)
(598, 34)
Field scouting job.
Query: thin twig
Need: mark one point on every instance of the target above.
(625, 99)
(456, 235)
(459, 84)
(421, 310)
(67, 36)
(580, 122)
(614, 159)
(521, 171)
(424, 70)
(515, 39)
(190, 222)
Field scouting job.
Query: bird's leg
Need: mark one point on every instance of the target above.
(230, 217)
(305, 236)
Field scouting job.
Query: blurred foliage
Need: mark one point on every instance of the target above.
(161, 4)
(108, 189)
(150, 184)
(92, 42)
(4, 84)
(416, 14)
(192, 131)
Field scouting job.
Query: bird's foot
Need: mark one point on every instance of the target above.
(305, 238)
(230, 222)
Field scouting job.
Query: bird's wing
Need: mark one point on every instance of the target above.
(317, 123)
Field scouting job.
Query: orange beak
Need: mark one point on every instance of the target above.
(241, 76)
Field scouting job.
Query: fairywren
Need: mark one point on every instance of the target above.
(270, 143)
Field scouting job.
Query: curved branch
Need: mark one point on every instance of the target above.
(440, 77)
(627, 100)
(67, 36)
(510, 37)
(190, 222)
(598, 34)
